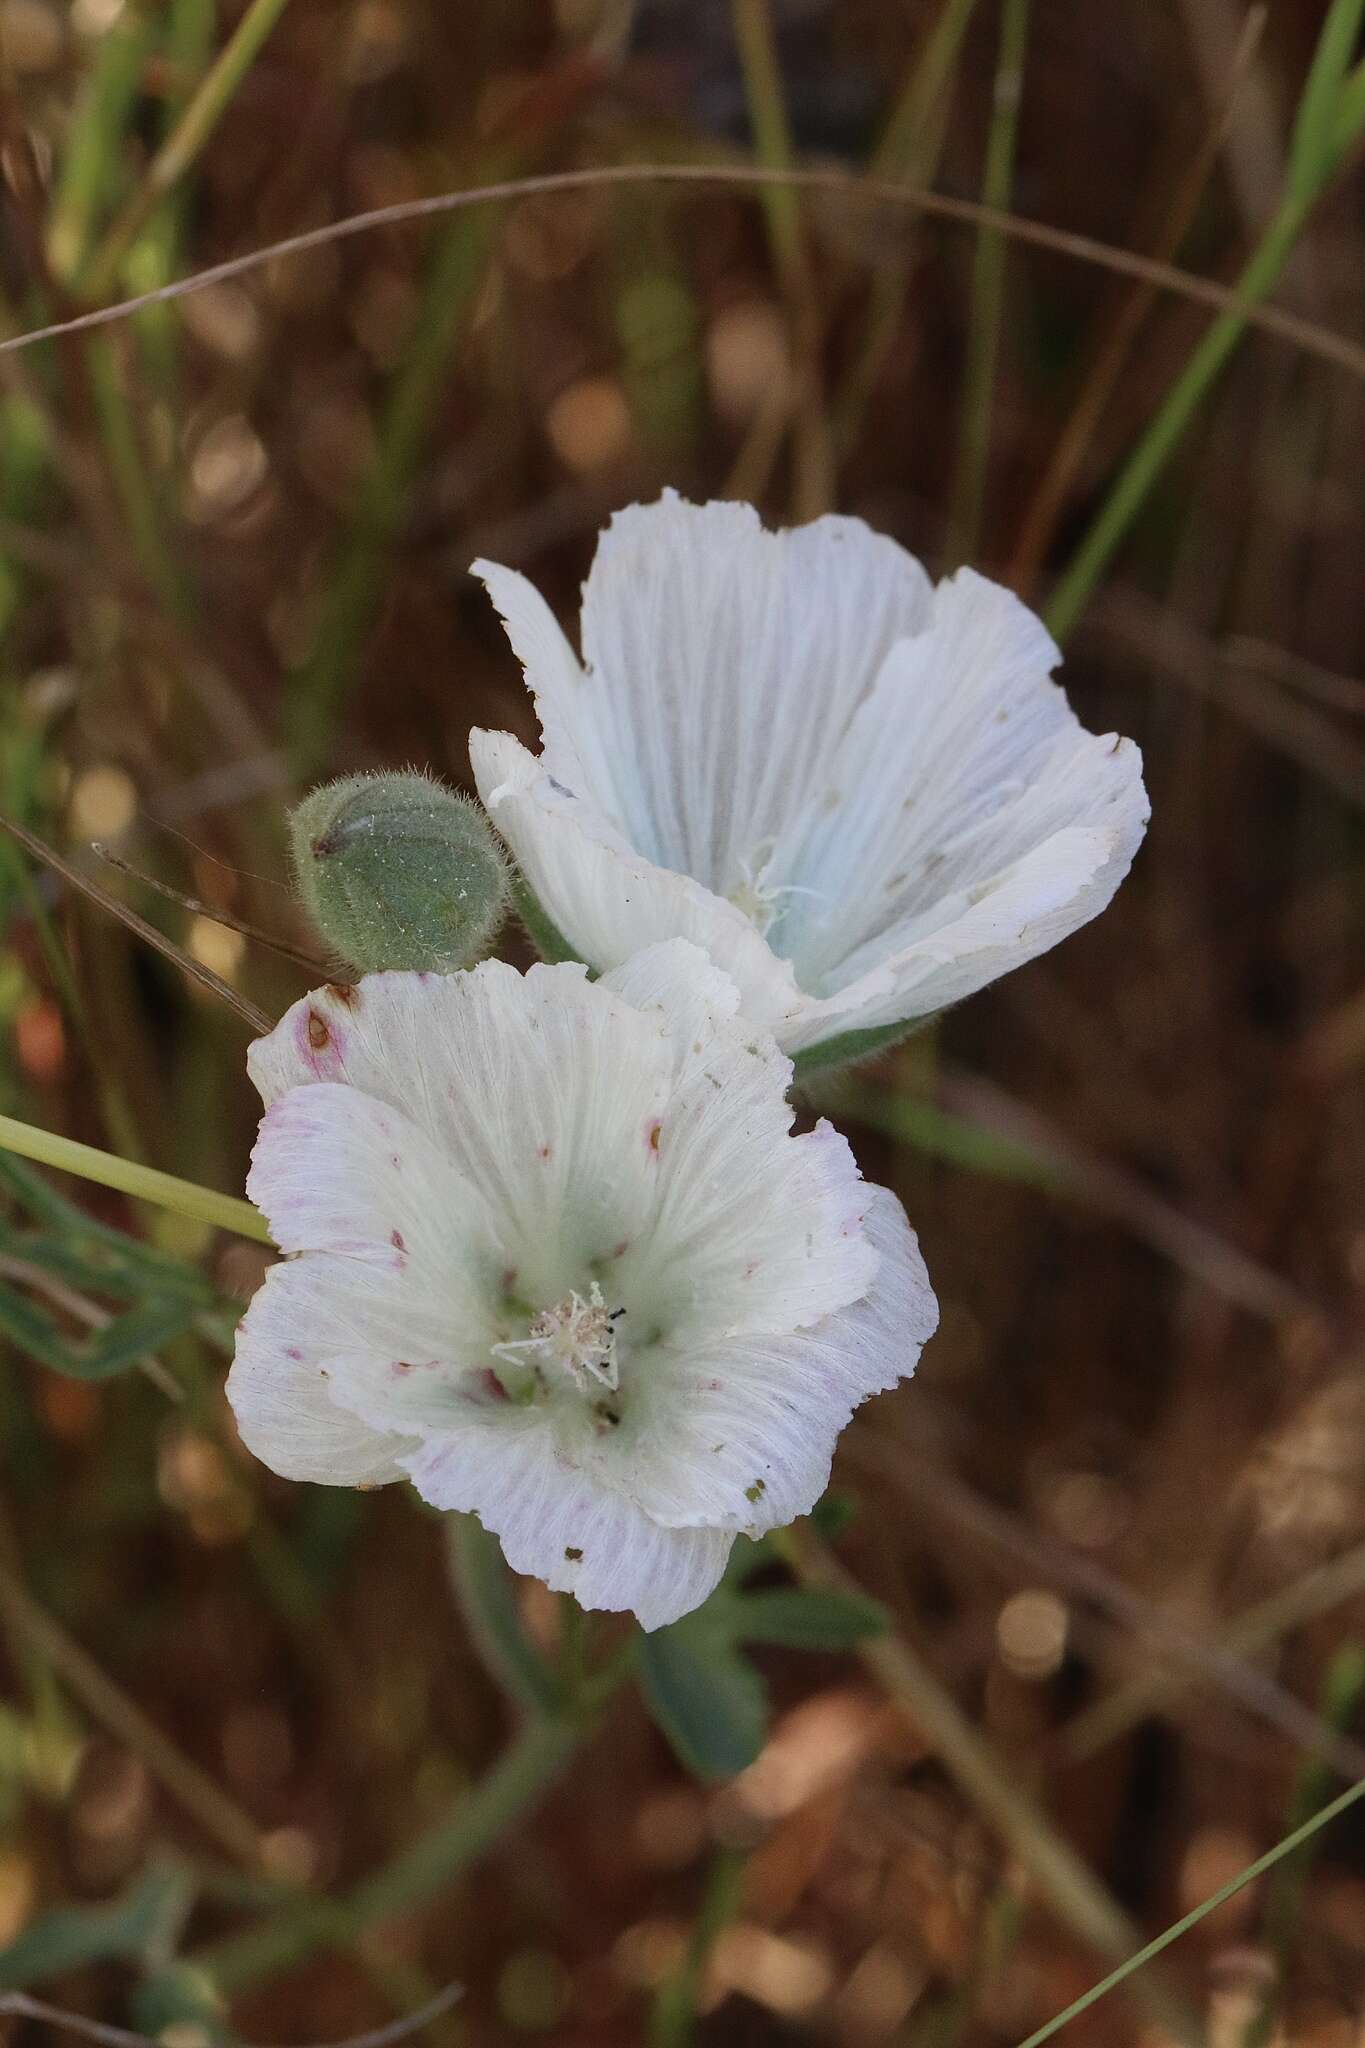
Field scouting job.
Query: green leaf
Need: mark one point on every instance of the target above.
(33, 1331)
(131, 1336)
(114, 1349)
(810, 1618)
(179, 1995)
(73, 1226)
(941, 1134)
(832, 1514)
(70, 1937)
(708, 1700)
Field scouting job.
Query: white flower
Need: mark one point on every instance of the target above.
(861, 794)
(556, 1256)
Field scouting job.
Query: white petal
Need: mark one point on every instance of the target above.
(681, 981)
(564, 696)
(337, 1170)
(726, 662)
(741, 1435)
(307, 1311)
(1027, 910)
(560, 1524)
(608, 901)
(541, 1090)
(966, 762)
(751, 1228)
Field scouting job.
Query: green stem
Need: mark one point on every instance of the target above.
(144, 1183)
(1191, 1919)
(771, 132)
(184, 143)
(136, 492)
(520, 1778)
(675, 2006)
(1159, 442)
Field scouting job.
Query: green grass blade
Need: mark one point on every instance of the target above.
(1313, 147)
(1129, 491)
(92, 167)
(1291, 1842)
(144, 1183)
(988, 285)
(318, 690)
(183, 144)
(1349, 121)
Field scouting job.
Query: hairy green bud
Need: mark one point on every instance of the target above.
(398, 871)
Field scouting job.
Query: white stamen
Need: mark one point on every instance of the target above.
(758, 897)
(575, 1335)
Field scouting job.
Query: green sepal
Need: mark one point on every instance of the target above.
(849, 1046)
(543, 933)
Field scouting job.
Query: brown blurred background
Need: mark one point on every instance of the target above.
(234, 536)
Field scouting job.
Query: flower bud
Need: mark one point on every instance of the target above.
(398, 871)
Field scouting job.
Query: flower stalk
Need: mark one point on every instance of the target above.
(143, 1183)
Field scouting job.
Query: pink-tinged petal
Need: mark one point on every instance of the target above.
(336, 1170)
(739, 1434)
(558, 1522)
(307, 1311)
(535, 1088)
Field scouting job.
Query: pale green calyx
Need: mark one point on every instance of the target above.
(398, 871)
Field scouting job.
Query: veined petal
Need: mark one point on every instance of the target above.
(739, 1434)
(726, 661)
(539, 1089)
(1024, 912)
(574, 738)
(966, 759)
(336, 1170)
(755, 1229)
(610, 902)
(559, 1523)
(305, 1312)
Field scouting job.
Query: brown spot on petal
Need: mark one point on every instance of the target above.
(396, 1240)
(544, 1151)
(655, 1133)
(319, 1037)
(572, 1553)
(344, 992)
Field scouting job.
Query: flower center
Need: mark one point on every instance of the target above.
(756, 893)
(576, 1339)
